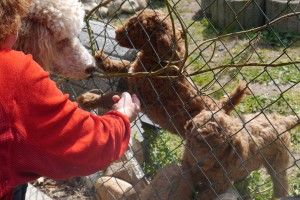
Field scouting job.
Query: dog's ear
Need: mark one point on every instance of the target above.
(167, 44)
(164, 42)
(130, 35)
(216, 141)
(41, 50)
(205, 143)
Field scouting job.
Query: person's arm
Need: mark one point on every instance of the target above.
(62, 140)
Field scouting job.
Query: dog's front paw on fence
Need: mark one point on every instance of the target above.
(91, 100)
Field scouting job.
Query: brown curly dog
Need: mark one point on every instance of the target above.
(169, 102)
(221, 149)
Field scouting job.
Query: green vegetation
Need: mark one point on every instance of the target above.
(275, 38)
(284, 105)
(283, 75)
(157, 4)
(161, 148)
(259, 186)
(294, 182)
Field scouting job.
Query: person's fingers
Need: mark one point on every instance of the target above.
(116, 98)
(136, 101)
(126, 96)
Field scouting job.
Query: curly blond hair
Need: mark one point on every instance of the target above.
(11, 13)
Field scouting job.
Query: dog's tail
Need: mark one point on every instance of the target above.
(234, 98)
(291, 121)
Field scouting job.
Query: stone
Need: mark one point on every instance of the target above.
(89, 5)
(126, 171)
(130, 6)
(115, 7)
(110, 188)
(102, 12)
(221, 47)
(160, 186)
(123, 171)
(90, 181)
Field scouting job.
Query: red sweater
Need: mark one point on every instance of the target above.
(42, 133)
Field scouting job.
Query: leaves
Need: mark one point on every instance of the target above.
(162, 148)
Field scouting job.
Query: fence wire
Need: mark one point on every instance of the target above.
(220, 100)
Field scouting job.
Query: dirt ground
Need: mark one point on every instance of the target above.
(65, 189)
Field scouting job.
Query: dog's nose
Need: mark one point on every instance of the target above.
(90, 69)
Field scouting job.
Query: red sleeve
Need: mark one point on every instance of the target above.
(71, 140)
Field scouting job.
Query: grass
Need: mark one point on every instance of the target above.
(295, 184)
(278, 39)
(258, 185)
(289, 74)
(157, 4)
(287, 104)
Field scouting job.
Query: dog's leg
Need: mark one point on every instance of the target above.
(111, 66)
(92, 100)
(182, 188)
(279, 177)
(234, 98)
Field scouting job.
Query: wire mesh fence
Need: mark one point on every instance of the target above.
(219, 85)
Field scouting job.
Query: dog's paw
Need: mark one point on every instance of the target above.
(89, 100)
(102, 61)
(105, 64)
(92, 100)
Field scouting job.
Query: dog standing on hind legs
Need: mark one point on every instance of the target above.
(162, 99)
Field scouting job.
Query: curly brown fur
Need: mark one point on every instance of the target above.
(92, 100)
(111, 66)
(221, 149)
(234, 98)
(151, 32)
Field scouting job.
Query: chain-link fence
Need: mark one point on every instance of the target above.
(219, 85)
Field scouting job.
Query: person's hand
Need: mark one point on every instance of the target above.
(128, 105)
